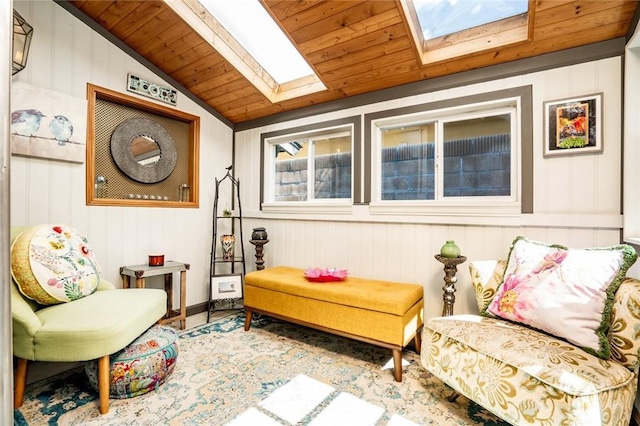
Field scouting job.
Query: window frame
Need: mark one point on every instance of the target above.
(315, 131)
(514, 194)
(469, 206)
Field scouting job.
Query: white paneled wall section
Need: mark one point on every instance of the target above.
(66, 55)
(577, 199)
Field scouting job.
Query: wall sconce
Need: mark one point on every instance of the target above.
(22, 33)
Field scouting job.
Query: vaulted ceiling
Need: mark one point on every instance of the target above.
(354, 46)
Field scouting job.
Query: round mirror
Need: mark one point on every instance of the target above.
(143, 150)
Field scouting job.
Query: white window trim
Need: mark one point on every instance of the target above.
(451, 206)
(311, 206)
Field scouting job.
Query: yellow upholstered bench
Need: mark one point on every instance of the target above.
(382, 313)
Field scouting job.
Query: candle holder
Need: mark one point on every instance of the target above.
(450, 280)
(259, 252)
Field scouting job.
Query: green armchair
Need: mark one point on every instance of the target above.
(89, 328)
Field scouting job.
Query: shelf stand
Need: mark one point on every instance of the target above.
(218, 261)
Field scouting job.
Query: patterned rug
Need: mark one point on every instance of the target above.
(277, 373)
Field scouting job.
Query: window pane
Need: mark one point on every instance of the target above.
(332, 167)
(477, 157)
(439, 18)
(291, 171)
(407, 163)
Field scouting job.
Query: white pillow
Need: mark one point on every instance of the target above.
(565, 292)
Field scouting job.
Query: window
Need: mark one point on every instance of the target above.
(466, 156)
(312, 167)
(244, 33)
(444, 29)
(439, 18)
(252, 26)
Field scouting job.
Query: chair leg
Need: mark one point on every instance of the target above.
(20, 382)
(454, 395)
(103, 383)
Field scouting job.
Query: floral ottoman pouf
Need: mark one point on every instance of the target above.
(142, 366)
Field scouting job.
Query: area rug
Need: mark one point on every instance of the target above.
(276, 373)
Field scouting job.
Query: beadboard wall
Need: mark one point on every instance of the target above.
(577, 199)
(66, 55)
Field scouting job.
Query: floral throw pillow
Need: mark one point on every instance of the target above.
(565, 292)
(53, 264)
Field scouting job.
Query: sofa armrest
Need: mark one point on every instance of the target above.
(625, 323)
(25, 320)
(486, 276)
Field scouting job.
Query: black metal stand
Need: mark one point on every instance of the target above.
(229, 264)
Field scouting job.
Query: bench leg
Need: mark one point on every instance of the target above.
(418, 341)
(397, 365)
(247, 319)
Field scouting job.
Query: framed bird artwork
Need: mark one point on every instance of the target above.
(47, 124)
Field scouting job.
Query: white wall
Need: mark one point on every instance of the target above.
(576, 199)
(65, 56)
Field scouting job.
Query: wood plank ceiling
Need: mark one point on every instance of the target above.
(355, 47)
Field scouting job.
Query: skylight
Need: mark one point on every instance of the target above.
(442, 17)
(250, 24)
(445, 29)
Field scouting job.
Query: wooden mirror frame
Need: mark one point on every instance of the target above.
(94, 93)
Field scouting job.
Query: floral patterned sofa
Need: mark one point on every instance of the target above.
(575, 363)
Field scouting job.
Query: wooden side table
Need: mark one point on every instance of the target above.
(140, 272)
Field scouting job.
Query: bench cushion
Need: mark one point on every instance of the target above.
(381, 296)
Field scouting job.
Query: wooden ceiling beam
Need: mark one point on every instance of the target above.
(175, 55)
(238, 89)
(204, 68)
(335, 79)
(151, 29)
(318, 11)
(366, 41)
(220, 80)
(368, 26)
(346, 20)
(137, 19)
(286, 8)
(116, 13)
(94, 8)
(382, 52)
(175, 30)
